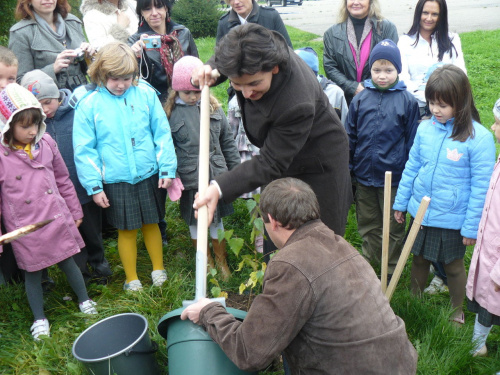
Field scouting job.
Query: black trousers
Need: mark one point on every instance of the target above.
(93, 252)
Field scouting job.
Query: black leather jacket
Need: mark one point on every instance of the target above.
(338, 60)
(151, 68)
(267, 17)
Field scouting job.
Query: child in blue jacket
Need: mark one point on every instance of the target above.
(451, 162)
(124, 155)
(381, 125)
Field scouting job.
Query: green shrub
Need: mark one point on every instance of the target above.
(6, 19)
(199, 16)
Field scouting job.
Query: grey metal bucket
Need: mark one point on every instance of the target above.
(117, 345)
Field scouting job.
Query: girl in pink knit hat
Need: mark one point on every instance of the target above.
(182, 108)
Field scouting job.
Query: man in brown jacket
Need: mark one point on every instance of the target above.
(321, 305)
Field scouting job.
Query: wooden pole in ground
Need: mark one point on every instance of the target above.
(385, 230)
(407, 247)
(203, 180)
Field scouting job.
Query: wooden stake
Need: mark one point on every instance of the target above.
(385, 230)
(203, 180)
(407, 247)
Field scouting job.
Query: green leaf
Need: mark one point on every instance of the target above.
(212, 271)
(228, 234)
(235, 244)
(215, 291)
(260, 276)
(242, 288)
(250, 204)
(259, 224)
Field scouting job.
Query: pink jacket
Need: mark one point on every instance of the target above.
(485, 264)
(35, 190)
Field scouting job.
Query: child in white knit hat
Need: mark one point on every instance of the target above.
(56, 106)
(183, 110)
(35, 186)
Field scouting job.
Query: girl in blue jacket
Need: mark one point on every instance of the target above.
(124, 155)
(451, 162)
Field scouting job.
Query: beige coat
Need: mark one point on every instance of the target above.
(323, 306)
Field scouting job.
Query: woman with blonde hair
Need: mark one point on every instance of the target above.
(347, 44)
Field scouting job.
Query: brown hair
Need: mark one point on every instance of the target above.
(449, 84)
(25, 117)
(24, 9)
(115, 59)
(250, 49)
(289, 201)
(169, 105)
(7, 57)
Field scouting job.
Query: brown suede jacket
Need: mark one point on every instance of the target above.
(323, 306)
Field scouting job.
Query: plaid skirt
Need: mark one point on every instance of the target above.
(486, 318)
(187, 210)
(438, 244)
(133, 205)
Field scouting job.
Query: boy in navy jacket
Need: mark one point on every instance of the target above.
(381, 126)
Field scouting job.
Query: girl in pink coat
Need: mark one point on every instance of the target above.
(35, 186)
(483, 284)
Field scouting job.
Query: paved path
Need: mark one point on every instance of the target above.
(317, 16)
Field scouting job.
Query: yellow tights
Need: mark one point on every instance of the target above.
(127, 248)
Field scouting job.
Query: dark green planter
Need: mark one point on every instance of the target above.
(117, 345)
(191, 350)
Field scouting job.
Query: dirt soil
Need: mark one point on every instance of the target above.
(239, 301)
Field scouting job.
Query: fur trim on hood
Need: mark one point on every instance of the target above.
(105, 7)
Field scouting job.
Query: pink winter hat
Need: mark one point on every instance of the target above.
(181, 77)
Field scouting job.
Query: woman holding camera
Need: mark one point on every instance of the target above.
(49, 38)
(159, 43)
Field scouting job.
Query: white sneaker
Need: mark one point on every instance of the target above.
(40, 328)
(159, 277)
(88, 307)
(436, 286)
(133, 286)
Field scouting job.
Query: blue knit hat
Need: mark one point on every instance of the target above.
(386, 50)
(310, 57)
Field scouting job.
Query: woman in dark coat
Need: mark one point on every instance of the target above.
(349, 42)
(287, 115)
(251, 12)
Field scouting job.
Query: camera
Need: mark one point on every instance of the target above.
(80, 55)
(152, 42)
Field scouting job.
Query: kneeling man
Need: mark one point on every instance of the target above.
(321, 303)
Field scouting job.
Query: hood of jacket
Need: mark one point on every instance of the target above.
(64, 107)
(105, 7)
(19, 99)
(400, 86)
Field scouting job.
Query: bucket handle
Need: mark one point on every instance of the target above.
(154, 349)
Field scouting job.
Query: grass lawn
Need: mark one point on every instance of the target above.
(443, 349)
